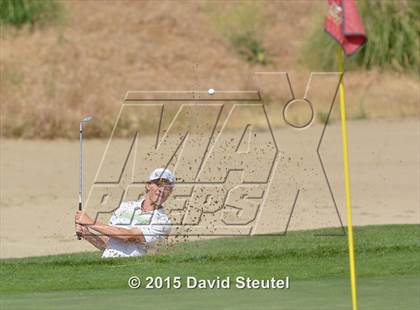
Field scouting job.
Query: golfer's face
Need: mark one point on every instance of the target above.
(159, 191)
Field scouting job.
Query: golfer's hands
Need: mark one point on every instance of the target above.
(81, 231)
(82, 218)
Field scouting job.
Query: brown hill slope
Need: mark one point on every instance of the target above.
(51, 77)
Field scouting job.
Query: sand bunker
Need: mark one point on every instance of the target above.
(39, 184)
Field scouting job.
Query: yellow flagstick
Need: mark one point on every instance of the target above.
(347, 183)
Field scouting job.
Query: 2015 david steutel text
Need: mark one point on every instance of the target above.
(192, 282)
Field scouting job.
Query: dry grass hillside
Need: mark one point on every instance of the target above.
(53, 75)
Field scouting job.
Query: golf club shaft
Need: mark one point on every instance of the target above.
(82, 122)
(81, 169)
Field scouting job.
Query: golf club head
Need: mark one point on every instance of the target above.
(86, 119)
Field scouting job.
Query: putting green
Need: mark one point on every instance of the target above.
(387, 274)
(334, 294)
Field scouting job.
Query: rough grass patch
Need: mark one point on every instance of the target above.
(393, 30)
(242, 26)
(322, 117)
(21, 12)
(360, 114)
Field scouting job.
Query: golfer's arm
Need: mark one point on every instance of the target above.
(124, 234)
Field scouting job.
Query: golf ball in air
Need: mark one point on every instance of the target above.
(211, 91)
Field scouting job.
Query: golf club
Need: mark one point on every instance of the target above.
(82, 123)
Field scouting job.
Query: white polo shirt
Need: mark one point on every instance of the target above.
(155, 225)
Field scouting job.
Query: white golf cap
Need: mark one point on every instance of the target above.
(162, 173)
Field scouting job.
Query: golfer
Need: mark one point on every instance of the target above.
(134, 223)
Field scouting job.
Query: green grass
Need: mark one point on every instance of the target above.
(21, 12)
(376, 294)
(322, 117)
(387, 260)
(242, 25)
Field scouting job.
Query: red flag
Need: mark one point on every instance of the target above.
(344, 24)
